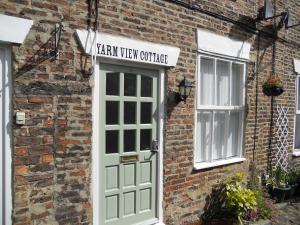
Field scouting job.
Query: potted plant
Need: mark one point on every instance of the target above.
(278, 186)
(273, 86)
(292, 180)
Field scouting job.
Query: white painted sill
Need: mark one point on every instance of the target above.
(205, 165)
(296, 154)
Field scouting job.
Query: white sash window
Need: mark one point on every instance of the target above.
(220, 110)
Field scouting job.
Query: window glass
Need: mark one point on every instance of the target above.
(223, 75)
(112, 112)
(129, 84)
(237, 85)
(112, 83)
(207, 83)
(146, 112)
(129, 140)
(219, 132)
(129, 112)
(146, 139)
(205, 120)
(111, 141)
(146, 86)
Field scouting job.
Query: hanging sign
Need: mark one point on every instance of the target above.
(122, 48)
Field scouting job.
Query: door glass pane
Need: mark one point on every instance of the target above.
(207, 81)
(234, 133)
(219, 130)
(129, 140)
(146, 86)
(237, 84)
(297, 132)
(129, 112)
(111, 141)
(112, 83)
(223, 75)
(146, 139)
(112, 112)
(129, 84)
(146, 112)
(298, 92)
(205, 119)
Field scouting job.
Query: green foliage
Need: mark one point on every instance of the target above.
(239, 199)
(293, 176)
(278, 179)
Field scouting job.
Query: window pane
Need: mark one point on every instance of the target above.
(146, 86)
(219, 130)
(129, 140)
(129, 112)
(204, 123)
(207, 81)
(111, 141)
(112, 83)
(298, 92)
(234, 134)
(237, 84)
(146, 139)
(297, 133)
(146, 112)
(112, 112)
(129, 84)
(223, 75)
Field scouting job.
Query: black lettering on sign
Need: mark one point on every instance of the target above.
(135, 53)
(98, 48)
(122, 52)
(115, 51)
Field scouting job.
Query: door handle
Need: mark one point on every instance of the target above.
(154, 146)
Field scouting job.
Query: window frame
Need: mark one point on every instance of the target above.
(213, 108)
(296, 151)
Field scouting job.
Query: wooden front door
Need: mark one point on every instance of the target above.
(128, 134)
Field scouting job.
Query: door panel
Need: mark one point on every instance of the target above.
(128, 125)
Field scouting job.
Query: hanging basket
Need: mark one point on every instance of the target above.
(272, 90)
(273, 86)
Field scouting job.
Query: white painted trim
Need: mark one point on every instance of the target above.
(14, 29)
(161, 110)
(209, 42)
(7, 138)
(113, 46)
(95, 183)
(297, 65)
(204, 165)
(96, 179)
(295, 153)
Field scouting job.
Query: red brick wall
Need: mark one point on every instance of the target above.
(52, 152)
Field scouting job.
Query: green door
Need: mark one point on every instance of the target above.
(128, 134)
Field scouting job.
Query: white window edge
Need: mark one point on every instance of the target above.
(296, 152)
(205, 165)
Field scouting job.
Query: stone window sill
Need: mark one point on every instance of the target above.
(205, 165)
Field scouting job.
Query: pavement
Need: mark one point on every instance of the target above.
(288, 213)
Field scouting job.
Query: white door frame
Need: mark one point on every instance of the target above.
(96, 179)
(6, 158)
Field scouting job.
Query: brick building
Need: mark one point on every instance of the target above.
(92, 129)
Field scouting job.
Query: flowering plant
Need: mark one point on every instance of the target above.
(273, 81)
(273, 86)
